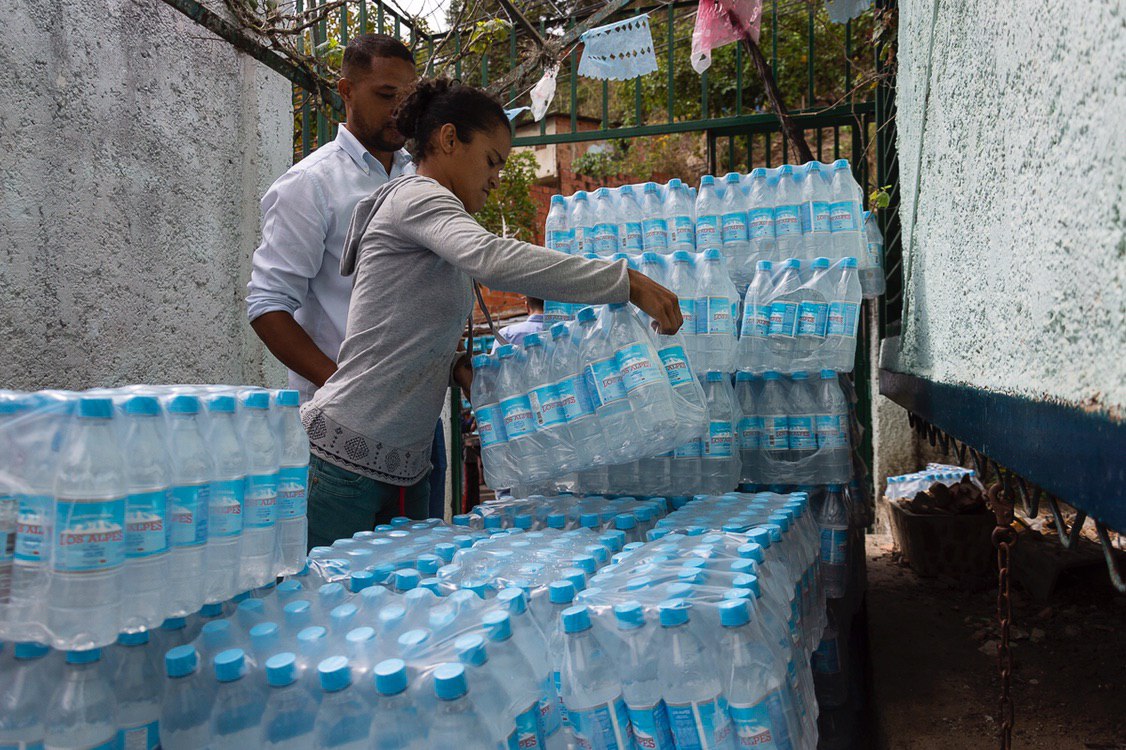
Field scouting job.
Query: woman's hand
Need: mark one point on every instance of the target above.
(659, 303)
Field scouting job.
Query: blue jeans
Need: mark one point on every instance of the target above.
(342, 502)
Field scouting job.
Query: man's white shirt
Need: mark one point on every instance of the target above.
(305, 217)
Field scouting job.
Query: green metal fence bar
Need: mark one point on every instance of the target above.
(670, 60)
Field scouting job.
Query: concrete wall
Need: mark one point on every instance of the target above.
(1016, 234)
(134, 148)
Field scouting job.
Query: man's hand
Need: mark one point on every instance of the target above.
(462, 374)
(659, 303)
(289, 342)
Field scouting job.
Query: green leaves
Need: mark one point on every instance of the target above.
(486, 34)
(510, 208)
(880, 197)
(331, 52)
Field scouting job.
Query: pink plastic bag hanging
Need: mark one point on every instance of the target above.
(714, 27)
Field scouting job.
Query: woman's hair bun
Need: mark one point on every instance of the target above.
(415, 104)
(434, 102)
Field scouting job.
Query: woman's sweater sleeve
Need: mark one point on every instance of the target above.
(435, 219)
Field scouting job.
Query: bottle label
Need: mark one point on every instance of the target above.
(604, 727)
(750, 433)
(844, 217)
(684, 230)
(875, 255)
(783, 318)
(632, 239)
(760, 223)
(777, 712)
(842, 319)
(8, 511)
(713, 316)
(651, 727)
(32, 527)
(224, 511)
(90, 535)
(638, 367)
(812, 319)
(561, 240)
(676, 365)
(832, 431)
(293, 492)
(490, 425)
(189, 515)
(574, 398)
(694, 449)
(707, 232)
(551, 716)
(37, 745)
(756, 321)
(110, 744)
(555, 312)
(834, 546)
(787, 221)
(735, 227)
(720, 440)
(688, 313)
(656, 234)
(146, 533)
(547, 407)
(802, 436)
(752, 726)
(700, 725)
(528, 734)
(815, 217)
(776, 432)
(260, 503)
(519, 420)
(827, 657)
(580, 238)
(144, 737)
(604, 382)
(605, 239)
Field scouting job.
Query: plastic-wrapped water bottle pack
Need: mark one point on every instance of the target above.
(909, 485)
(600, 392)
(565, 512)
(121, 508)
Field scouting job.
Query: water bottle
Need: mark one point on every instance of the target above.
(578, 408)
(287, 722)
(185, 709)
(394, 722)
(872, 282)
(23, 617)
(844, 315)
(260, 506)
(530, 640)
(719, 466)
(680, 208)
(490, 422)
(753, 352)
(82, 711)
(344, 719)
(591, 688)
(225, 507)
(785, 300)
(643, 375)
(717, 305)
(236, 719)
(456, 722)
(801, 423)
(519, 419)
(787, 214)
(519, 681)
(603, 380)
(552, 437)
(694, 699)
(192, 470)
(682, 282)
(84, 597)
(846, 205)
(760, 217)
(833, 520)
(815, 214)
(26, 682)
(654, 224)
(293, 485)
(709, 234)
(148, 482)
(641, 686)
(832, 428)
(137, 686)
(733, 224)
(630, 214)
(748, 393)
(606, 240)
(775, 410)
(813, 317)
(582, 223)
(829, 675)
(558, 234)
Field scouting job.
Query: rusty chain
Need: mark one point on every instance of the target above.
(1003, 540)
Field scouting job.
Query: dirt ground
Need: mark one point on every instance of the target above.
(934, 671)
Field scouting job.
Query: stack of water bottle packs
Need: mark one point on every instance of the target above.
(601, 391)
(122, 508)
(909, 485)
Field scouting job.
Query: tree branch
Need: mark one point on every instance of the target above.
(792, 131)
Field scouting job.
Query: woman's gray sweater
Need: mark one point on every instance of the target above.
(413, 250)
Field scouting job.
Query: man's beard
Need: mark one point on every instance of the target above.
(378, 142)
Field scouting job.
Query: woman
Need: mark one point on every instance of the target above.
(414, 250)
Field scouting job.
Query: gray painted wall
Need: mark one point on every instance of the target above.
(134, 147)
(1015, 238)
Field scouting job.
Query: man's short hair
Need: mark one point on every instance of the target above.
(534, 302)
(363, 49)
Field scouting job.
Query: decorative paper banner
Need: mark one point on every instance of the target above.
(512, 114)
(843, 11)
(619, 51)
(714, 27)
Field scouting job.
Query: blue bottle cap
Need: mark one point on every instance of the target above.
(654, 534)
(471, 650)
(632, 546)
(133, 639)
(625, 521)
(449, 682)
(561, 592)
(558, 200)
(390, 676)
(576, 576)
(356, 637)
(576, 619)
(673, 612)
(256, 400)
(585, 563)
(407, 579)
(649, 187)
(731, 177)
(681, 256)
(222, 405)
(504, 351)
(733, 613)
(751, 551)
(849, 262)
(533, 339)
(335, 674)
(524, 520)
(181, 661)
(287, 397)
(212, 610)
(559, 330)
(707, 180)
(680, 590)
(774, 530)
(630, 615)
(414, 638)
(359, 581)
(310, 637)
(715, 377)
(174, 623)
(712, 254)
(341, 615)
(556, 520)
(281, 669)
(94, 407)
(498, 625)
(146, 406)
(761, 537)
(820, 263)
(479, 361)
(586, 315)
(216, 634)
(27, 650)
(230, 665)
(251, 608)
(799, 375)
(391, 615)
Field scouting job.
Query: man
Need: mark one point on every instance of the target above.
(516, 332)
(298, 301)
